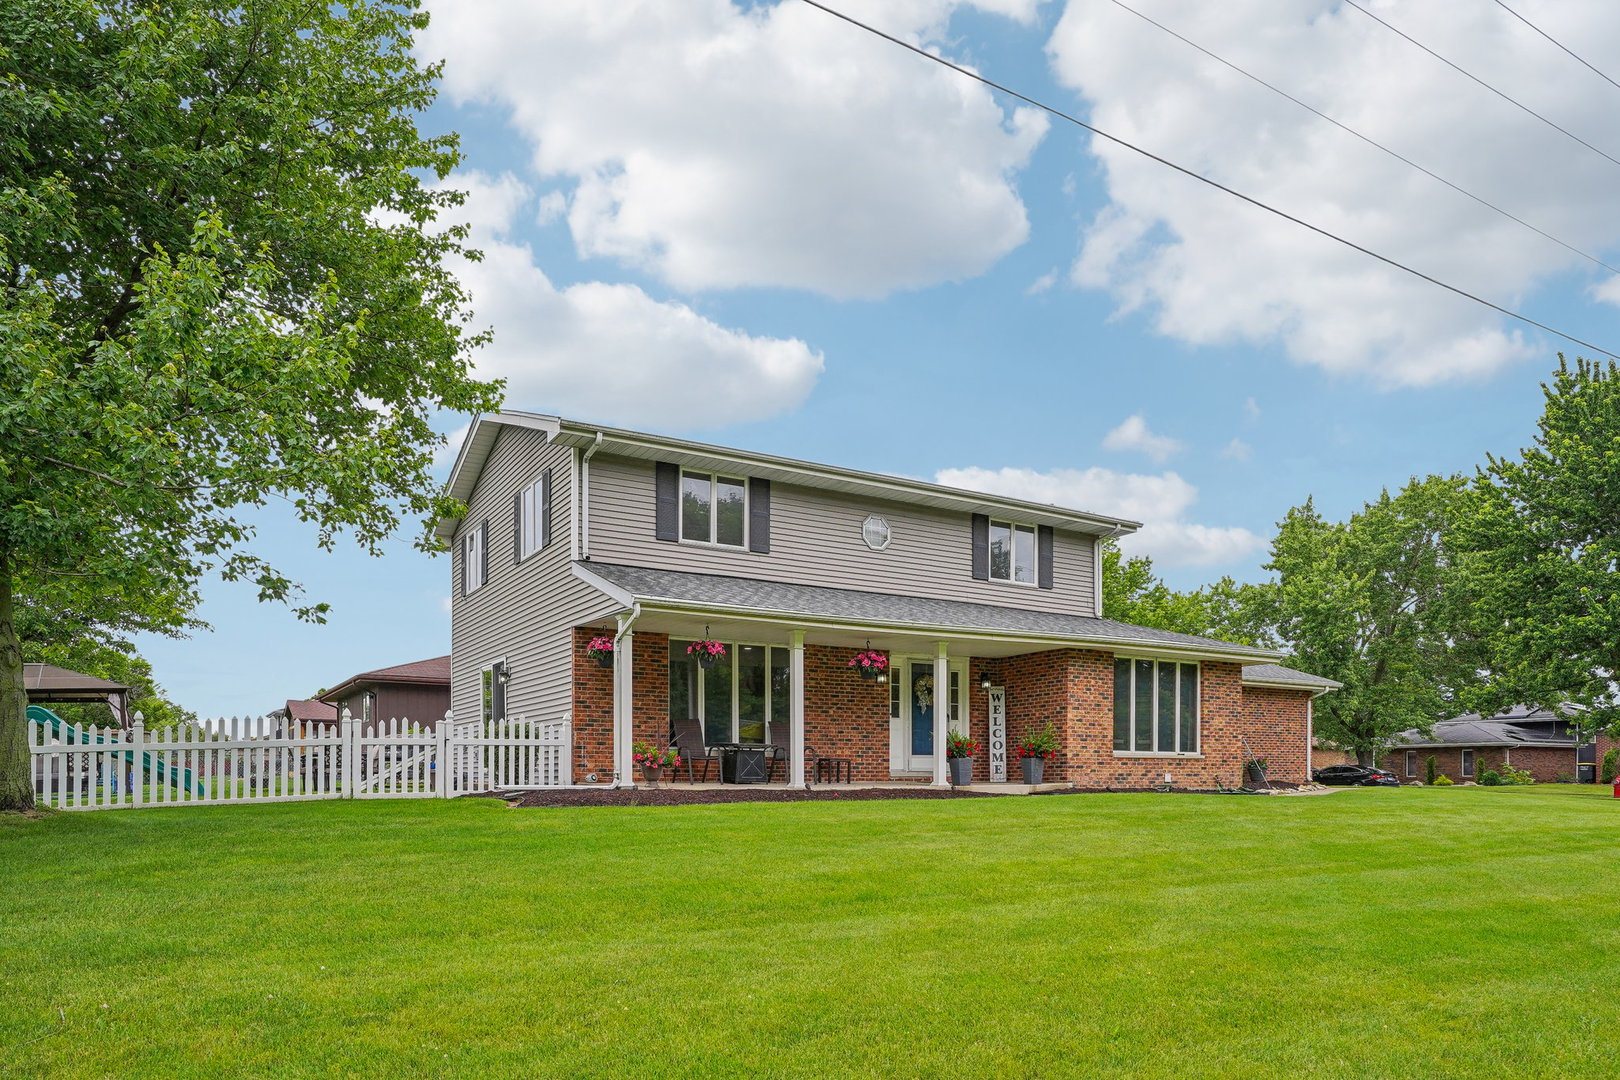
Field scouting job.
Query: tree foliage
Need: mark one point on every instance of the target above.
(220, 284)
(1541, 545)
(1227, 610)
(1376, 603)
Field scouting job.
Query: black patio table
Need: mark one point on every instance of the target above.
(743, 763)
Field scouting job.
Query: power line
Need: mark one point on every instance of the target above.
(1367, 139)
(1166, 162)
(1510, 100)
(1558, 43)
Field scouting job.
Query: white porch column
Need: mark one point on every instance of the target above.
(942, 711)
(623, 708)
(796, 710)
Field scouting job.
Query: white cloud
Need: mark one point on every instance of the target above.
(1134, 434)
(719, 146)
(1159, 502)
(1211, 270)
(1237, 450)
(1251, 410)
(1042, 284)
(608, 351)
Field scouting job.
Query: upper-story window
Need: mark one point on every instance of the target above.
(533, 510)
(474, 557)
(714, 509)
(1012, 552)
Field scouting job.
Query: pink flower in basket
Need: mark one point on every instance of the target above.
(706, 648)
(601, 643)
(870, 660)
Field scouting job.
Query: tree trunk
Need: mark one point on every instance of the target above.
(1365, 757)
(16, 783)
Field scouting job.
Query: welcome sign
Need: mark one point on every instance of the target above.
(998, 734)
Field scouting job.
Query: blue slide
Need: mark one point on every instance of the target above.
(63, 732)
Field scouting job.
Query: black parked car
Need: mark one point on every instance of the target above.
(1353, 776)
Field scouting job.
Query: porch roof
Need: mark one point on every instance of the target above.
(721, 595)
(1286, 678)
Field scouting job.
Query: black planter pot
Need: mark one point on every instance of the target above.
(705, 660)
(1034, 769)
(603, 659)
(961, 769)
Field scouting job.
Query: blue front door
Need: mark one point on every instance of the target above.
(920, 689)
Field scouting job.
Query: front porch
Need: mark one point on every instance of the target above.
(793, 688)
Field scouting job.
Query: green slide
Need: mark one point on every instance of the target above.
(63, 731)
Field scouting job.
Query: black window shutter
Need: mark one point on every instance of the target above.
(759, 515)
(464, 564)
(1043, 556)
(545, 508)
(981, 547)
(517, 527)
(667, 485)
(497, 704)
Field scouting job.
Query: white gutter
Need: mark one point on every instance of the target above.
(585, 496)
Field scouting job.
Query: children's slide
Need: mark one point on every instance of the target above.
(64, 733)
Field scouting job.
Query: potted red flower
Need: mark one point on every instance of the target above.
(600, 649)
(1032, 752)
(654, 761)
(870, 663)
(959, 751)
(707, 652)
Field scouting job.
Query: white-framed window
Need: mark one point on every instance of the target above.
(474, 558)
(1012, 552)
(368, 707)
(1468, 763)
(531, 516)
(1155, 706)
(492, 680)
(744, 697)
(1411, 763)
(714, 509)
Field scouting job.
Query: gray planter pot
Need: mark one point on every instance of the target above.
(961, 771)
(1034, 769)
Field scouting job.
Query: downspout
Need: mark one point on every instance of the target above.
(1097, 566)
(585, 500)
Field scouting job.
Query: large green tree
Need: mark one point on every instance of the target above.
(220, 283)
(1376, 602)
(1541, 545)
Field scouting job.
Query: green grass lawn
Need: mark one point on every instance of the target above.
(1370, 933)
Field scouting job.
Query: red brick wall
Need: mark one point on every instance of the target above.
(1275, 726)
(593, 701)
(1545, 764)
(845, 715)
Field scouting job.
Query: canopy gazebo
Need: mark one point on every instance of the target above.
(48, 684)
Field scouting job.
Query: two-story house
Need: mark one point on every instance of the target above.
(988, 610)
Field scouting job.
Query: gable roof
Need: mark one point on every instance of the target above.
(676, 590)
(481, 436)
(1286, 678)
(312, 711)
(50, 679)
(431, 672)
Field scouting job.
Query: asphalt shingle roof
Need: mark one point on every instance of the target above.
(888, 609)
(1276, 673)
(1519, 726)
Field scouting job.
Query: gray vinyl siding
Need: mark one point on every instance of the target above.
(524, 613)
(816, 540)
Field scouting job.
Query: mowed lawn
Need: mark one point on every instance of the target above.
(1369, 933)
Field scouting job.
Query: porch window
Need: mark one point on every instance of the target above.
(714, 509)
(1012, 552)
(1155, 707)
(739, 699)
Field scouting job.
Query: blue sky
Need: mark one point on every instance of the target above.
(751, 224)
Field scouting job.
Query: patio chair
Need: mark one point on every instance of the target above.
(777, 750)
(830, 769)
(688, 742)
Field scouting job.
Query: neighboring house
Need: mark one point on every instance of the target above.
(309, 713)
(1548, 744)
(418, 692)
(576, 530)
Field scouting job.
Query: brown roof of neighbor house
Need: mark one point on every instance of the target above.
(312, 711)
(432, 672)
(50, 679)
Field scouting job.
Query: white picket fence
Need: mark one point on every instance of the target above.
(265, 759)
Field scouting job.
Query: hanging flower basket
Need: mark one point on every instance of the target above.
(707, 652)
(600, 649)
(870, 663)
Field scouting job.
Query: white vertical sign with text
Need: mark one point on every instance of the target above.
(998, 733)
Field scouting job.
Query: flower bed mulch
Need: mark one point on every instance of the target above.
(678, 796)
